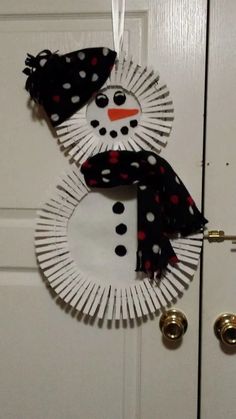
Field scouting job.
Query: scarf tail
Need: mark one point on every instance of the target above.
(153, 261)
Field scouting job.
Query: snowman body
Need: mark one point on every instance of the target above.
(102, 235)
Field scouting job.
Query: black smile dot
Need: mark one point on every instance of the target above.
(133, 123)
(121, 229)
(118, 208)
(113, 134)
(120, 250)
(94, 123)
(124, 130)
(102, 131)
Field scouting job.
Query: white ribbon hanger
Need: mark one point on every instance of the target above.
(118, 21)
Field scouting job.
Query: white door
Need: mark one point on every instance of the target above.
(219, 285)
(54, 364)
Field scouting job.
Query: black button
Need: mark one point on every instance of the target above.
(121, 229)
(120, 250)
(118, 208)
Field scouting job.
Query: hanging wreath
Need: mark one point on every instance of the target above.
(113, 117)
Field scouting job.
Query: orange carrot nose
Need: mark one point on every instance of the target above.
(116, 113)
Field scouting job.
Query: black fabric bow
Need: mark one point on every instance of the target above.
(165, 207)
(63, 84)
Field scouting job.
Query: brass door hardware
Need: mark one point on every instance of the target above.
(173, 324)
(218, 236)
(225, 329)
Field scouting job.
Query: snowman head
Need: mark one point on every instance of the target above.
(132, 111)
(98, 106)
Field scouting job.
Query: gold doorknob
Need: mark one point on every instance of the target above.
(225, 328)
(173, 324)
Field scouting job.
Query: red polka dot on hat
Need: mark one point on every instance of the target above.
(174, 199)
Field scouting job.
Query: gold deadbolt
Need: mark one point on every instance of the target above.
(218, 236)
(225, 329)
(173, 324)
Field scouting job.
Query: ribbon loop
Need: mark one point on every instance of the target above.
(118, 21)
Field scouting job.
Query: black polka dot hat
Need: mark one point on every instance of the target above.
(63, 84)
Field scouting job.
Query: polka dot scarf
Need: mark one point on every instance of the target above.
(165, 207)
(63, 84)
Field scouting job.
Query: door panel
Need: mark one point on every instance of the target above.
(54, 366)
(168, 376)
(218, 362)
(55, 363)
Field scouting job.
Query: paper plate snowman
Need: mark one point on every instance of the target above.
(118, 115)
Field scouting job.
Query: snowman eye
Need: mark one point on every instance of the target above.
(101, 100)
(119, 98)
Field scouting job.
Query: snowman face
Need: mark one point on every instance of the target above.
(113, 114)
